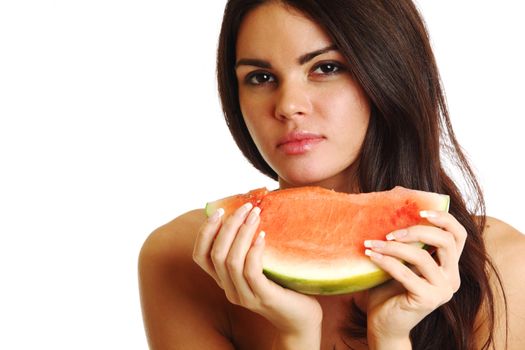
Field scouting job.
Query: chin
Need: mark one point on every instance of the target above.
(339, 180)
(304, 179)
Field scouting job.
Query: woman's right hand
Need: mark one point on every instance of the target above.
(224, 250)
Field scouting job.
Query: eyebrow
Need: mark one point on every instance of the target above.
(302, 59)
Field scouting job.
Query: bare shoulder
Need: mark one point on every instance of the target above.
(181, 304)
(175, 239)
(498, 233)
(505, 245)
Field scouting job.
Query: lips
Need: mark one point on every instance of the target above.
(299, 142)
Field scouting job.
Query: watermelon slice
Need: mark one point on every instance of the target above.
(314, 236)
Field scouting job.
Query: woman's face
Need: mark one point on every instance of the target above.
(304, 111)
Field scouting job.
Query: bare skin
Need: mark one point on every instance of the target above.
(201, 279)
(183, 306)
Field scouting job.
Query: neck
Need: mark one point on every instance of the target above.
(343, 182)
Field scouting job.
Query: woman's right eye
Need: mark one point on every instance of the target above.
(259, 78)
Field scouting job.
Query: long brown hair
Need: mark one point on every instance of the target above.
(408, 140)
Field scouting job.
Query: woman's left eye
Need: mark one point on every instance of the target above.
(327, 68)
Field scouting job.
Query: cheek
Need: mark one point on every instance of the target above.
(349, 106)
(251, 106)
(247, 111)
(348, 112)
(255, 111)
(253, 120)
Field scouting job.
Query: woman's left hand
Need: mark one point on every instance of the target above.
(394, 309)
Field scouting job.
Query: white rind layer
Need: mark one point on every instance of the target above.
(317, 270)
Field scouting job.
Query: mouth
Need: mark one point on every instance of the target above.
(299, 142)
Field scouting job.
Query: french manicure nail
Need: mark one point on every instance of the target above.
(396, 235)
(216, 215)
(260, 238)
(246, 207)
(373, 255)
(374, 244)
(253, 216)
(427, 214)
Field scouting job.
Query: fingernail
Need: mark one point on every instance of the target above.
(253, 216)
(373, 255)
(427, 214)
(374, 244)
(260, 238)
(396, 235)
(244, 209)
(216, 215)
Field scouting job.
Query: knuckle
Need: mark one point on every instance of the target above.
(232, 298)
(449, 240)
(199, 260)
(267, 303)
(250, 275)
(231, 223)
(406, 274)
(463, 233)
(442, 296)
(438, 301)
(195, 257)
(233, 263)
(425, 258)
(447, 295)
(434, 300)
(428, 265)
(219, 283)
(246, 301)
(456, 284)
(217, 257)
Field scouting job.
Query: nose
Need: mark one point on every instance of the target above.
(293, 101)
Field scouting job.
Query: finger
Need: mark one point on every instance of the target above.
(221, 246)
(443, 241)
(420, 294)
(411, 254)
(253, 270)
(399, 272)
(449, 223)
(204, 242)
(237, 255)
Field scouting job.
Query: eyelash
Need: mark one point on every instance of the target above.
(270, 78)
(250, 78)
(337, 66)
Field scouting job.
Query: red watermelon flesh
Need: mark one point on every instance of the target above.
(314, 236)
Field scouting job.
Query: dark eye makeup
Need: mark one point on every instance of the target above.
(321, 69)
(259, 78)
(327, 68)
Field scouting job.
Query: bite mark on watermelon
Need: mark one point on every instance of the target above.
(314, 236)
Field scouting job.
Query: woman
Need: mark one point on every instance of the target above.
(344, 95)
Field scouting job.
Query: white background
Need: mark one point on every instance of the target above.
(110, 126)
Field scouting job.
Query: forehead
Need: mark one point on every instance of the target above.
(273, 28)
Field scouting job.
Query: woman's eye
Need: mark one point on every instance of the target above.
(327, 68)
(260, 78)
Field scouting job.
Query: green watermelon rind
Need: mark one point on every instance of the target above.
(348, 284)
(329, 287)
(210, 208)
